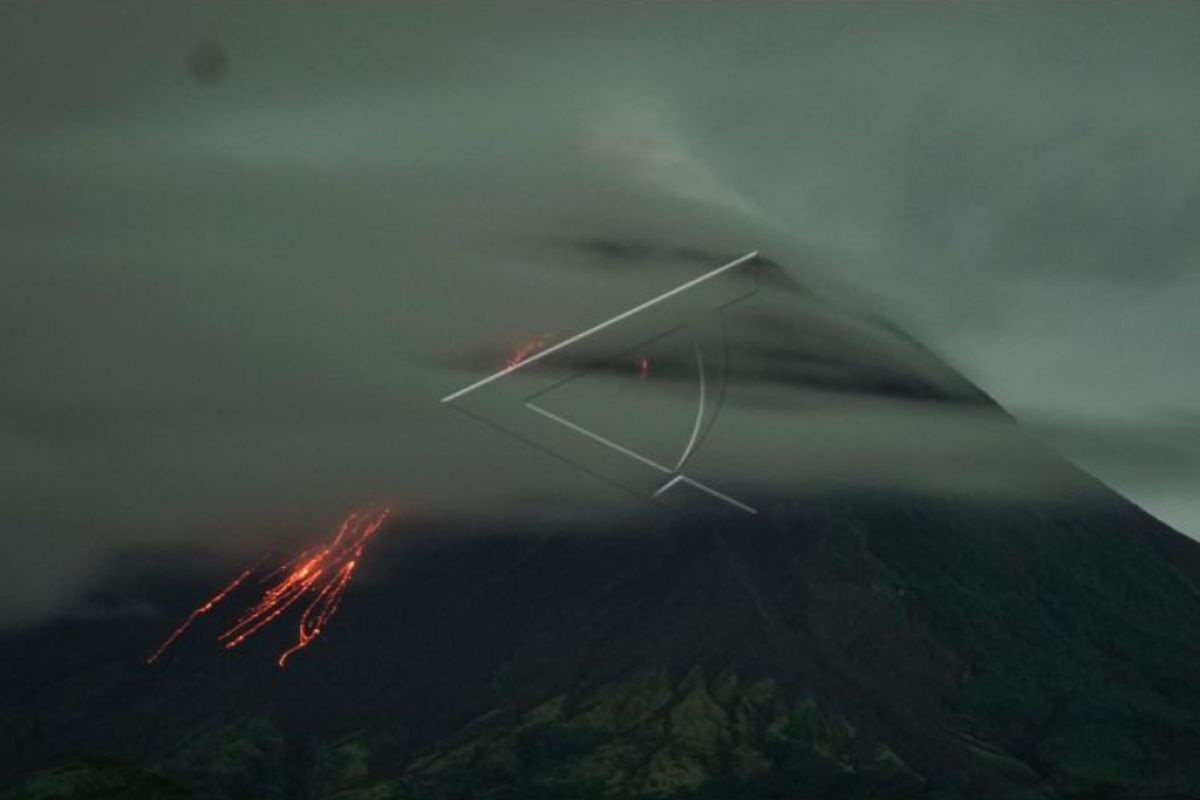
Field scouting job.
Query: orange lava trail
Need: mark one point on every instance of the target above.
(318, 577)
(526, 350)
(204, 609)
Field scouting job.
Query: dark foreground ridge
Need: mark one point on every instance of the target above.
(853, 646)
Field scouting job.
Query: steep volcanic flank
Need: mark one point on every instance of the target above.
(854, 645)
(892, 642)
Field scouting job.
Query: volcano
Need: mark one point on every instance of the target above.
(877, 642)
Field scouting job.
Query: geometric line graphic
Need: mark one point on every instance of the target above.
(506, 398)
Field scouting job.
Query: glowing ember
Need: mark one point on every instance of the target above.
(526, 350)
(317, 579)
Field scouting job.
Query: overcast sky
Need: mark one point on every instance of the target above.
(246, 248)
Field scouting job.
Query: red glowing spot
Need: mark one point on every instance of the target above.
(643, 367)
(318, 577)
(526, 350)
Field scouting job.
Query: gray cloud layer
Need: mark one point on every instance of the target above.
(229, 305)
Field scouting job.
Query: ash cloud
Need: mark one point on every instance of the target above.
(228, 311)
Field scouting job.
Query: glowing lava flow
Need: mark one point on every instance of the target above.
(526, 350)
(318, 577)
(200, 610)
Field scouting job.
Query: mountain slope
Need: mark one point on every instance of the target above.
(870, 644)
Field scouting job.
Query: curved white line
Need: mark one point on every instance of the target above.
(687, 451)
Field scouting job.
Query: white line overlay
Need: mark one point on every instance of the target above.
(596, 328)
(677, 476)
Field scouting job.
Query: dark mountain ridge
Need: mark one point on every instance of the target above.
(878, 643)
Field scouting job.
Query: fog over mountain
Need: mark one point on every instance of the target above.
(245, 251)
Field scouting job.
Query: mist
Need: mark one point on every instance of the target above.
(246, 253)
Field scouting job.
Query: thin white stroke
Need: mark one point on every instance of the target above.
(597, 437)
(687, 451)
(618, 318)
(719, 495)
